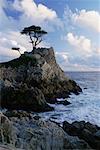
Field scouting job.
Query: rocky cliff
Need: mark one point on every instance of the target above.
(32, 80)
(22, 131)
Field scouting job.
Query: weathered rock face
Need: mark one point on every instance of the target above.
(7, 131)
(30, 133)
(32, 79)
(86, 131)
(24, 98)
(41, 63)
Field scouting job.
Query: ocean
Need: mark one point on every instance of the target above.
(85, 106)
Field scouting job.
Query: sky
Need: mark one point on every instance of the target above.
(73, 28)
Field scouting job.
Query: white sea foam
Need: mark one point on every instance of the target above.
(85, 106)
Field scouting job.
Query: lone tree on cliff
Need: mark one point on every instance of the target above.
(35, 33)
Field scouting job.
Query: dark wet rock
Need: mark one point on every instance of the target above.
(79, 125)
(64, 102)
(67, 127)
(51, 100)
(73, 129)
(85, 131)
(17, 113)
(75, 144)
(23, 98)
(85, 88)
(97, 135)
(36, 117)
(92, 128)
(76, 90)
(88, 137)
(64, 94)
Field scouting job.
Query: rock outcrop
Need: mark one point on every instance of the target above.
(27, 132)
(32, 80)
(84, 130)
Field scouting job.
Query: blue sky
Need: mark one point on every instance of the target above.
(73, 28)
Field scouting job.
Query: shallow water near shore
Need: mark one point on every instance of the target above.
(85, 106)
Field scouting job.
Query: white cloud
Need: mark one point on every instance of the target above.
(97, 51)
(14, 39)
(9, 40)
(80, 43)
(81, 67)
(30, 13)
(39, 14)
(64, 60)
(90, 19)
(85, 51)
(64, 55)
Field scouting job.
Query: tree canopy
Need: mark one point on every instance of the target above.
(35, 33)
(16, 49)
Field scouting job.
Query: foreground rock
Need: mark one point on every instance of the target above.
(32, 133)
(32, 80)
(84, 130)
(8, 147)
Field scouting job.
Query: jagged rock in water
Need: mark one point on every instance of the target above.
(32, 79)
(64, 102)
(84, 130)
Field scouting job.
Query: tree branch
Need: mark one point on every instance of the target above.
(38, 42)
(31, 39)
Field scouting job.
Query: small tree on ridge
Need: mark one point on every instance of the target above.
(16, 49)
(35, 33)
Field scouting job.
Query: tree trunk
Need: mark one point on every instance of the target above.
(31, 41)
